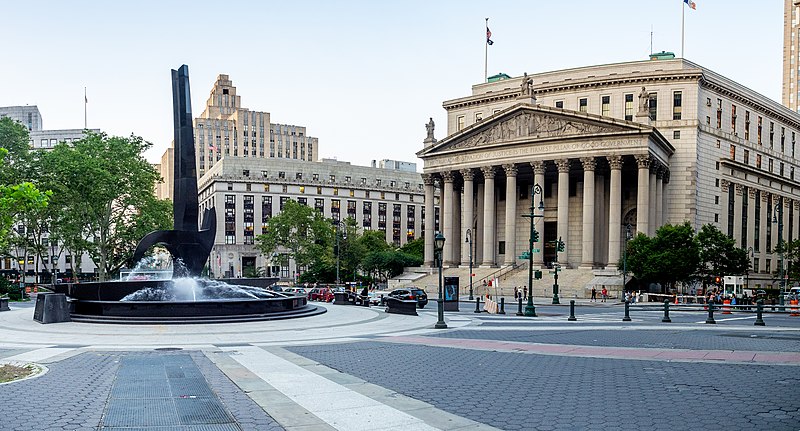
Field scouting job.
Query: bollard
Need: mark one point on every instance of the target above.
(502, 306)
(477, 304)
(666, 318)
(519, 310)
(759, 309)
(710, 319)
(627, 317)
(572, 310)
(781, 303)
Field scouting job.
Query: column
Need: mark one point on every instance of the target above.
(457, 239)
(724, 185)
(751, 218)
(643, 194)
(660, 196)
(488, 217)
(651, 215)
(538, 178)
(786, 220)
(467, 222)
(477, 258)
(796, 218)
(737, 214)
(427, 180)
(587, 254)
(562, 223)
(614, 211)
(766, 223)
(511, 214)
(664, 199)
(446, 214)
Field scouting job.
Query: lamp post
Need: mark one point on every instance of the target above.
(777, 217)
(438, 246)
(338, 251)
(625, 257)
(530, 309)
(53, 245)
(469, 241)
(749, 262)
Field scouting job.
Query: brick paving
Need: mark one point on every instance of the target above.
(515, 391)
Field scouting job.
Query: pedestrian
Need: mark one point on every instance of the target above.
(604, 292)
(516, 293)
(525, 293)
(594, 295)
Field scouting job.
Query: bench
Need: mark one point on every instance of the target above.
(399, 306)
(4, 304)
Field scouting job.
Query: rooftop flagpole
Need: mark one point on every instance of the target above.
(85, 102)
(486, 53)
(683, 10)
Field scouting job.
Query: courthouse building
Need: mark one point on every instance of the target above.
(642, 144)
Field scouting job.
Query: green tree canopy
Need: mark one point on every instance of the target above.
(671, 256)
(719, 255)
(299, 231)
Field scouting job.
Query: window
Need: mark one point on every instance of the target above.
(302, 189)
(770, 166)
(583, 104)
(733, 152)
(605, 106)
(282, 175)
(783, 139)
(319, 190)
(298, 176)
(284, 188)
(780, 172)
(716, 200)
(758, 161)
(733, 119)
(653, 106)
(332, 178)
(319, 205)
(283, 201)
(336, 191)
(629, 107)
(315, 177)
(747, 157)
(676, 105)
(676, 134)
(478, 116)
(459, 122)
(719, 113)
(771, 134)
(759, 130)
(746, 125)
(245, 173)
(757, 223)
(560, 104)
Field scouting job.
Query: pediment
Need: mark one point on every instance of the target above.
(529, 123)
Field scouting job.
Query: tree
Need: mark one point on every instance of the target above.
(719, 255)
(301, 231)
(671, 256)
(103, 191)
(415, 247)
(15, 160)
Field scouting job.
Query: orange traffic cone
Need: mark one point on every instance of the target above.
(726, 306)
(794, 312)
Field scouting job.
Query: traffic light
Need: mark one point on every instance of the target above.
(537, 274)
(716, 280)
(560, 246)
(535, 236)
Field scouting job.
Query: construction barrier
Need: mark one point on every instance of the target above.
(793, 304)
(490, 306)
(726, 309)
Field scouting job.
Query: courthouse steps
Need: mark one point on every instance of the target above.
(573, 283)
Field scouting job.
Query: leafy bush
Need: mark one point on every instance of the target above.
(9, 289)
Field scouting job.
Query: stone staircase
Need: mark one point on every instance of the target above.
(572, 282)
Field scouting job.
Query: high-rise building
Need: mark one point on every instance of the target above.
(226, 129)
(28, 115)
(791, 53)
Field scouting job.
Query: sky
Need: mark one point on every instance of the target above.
(362, 76)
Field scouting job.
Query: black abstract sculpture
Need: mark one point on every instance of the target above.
(188, 246)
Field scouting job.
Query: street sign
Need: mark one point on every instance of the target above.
(536, 250)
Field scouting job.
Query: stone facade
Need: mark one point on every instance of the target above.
(791, 54)
(247, 192)
(642, 143)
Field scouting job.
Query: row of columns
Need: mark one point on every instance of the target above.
(651, 180)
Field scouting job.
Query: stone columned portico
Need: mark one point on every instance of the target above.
(594, 173)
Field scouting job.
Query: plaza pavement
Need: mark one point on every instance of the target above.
(356, 368)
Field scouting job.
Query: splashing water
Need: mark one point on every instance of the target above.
(198, 289)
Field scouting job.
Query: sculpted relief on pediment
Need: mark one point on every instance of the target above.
(530, 125)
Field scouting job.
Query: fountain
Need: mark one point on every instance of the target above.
(185, 298)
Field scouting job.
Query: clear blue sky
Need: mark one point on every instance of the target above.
(362, 76)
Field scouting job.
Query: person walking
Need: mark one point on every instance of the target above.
(604, 292)
(594, 294)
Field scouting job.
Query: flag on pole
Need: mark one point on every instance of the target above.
(691, 4)
(489, 36)
(212, 148)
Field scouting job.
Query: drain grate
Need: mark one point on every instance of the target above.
(201, 411)
(146, 388)
(194, 387)
(143, 412)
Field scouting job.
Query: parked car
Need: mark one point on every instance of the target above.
(297, 291)
(320, 294)
(409, 293)
(376, 296)
(276, 288)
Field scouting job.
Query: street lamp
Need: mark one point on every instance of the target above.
(438, 246)
(338, 223)
(625, 258)
(530, 310)
(469, 241)
(749, 262)
(53, 245)
(777, 217)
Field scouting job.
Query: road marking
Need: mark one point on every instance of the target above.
(730, 318)
(337, 405)
(38, 354)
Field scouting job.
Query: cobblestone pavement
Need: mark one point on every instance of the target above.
(713, 340)
(76, 394)
(515, 391)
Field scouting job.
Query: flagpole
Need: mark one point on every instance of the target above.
(85, 102)
(683, 11)
(486, 55)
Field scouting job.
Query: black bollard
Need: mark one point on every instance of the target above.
(572, 310)
(477, 304)
(759, 310)
(627, 317)
(710, 319)
(519, 310)
(666, 318)
(502, 306)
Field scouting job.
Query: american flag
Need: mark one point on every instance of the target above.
(212, 148)
(489, 36)
(691, 4)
